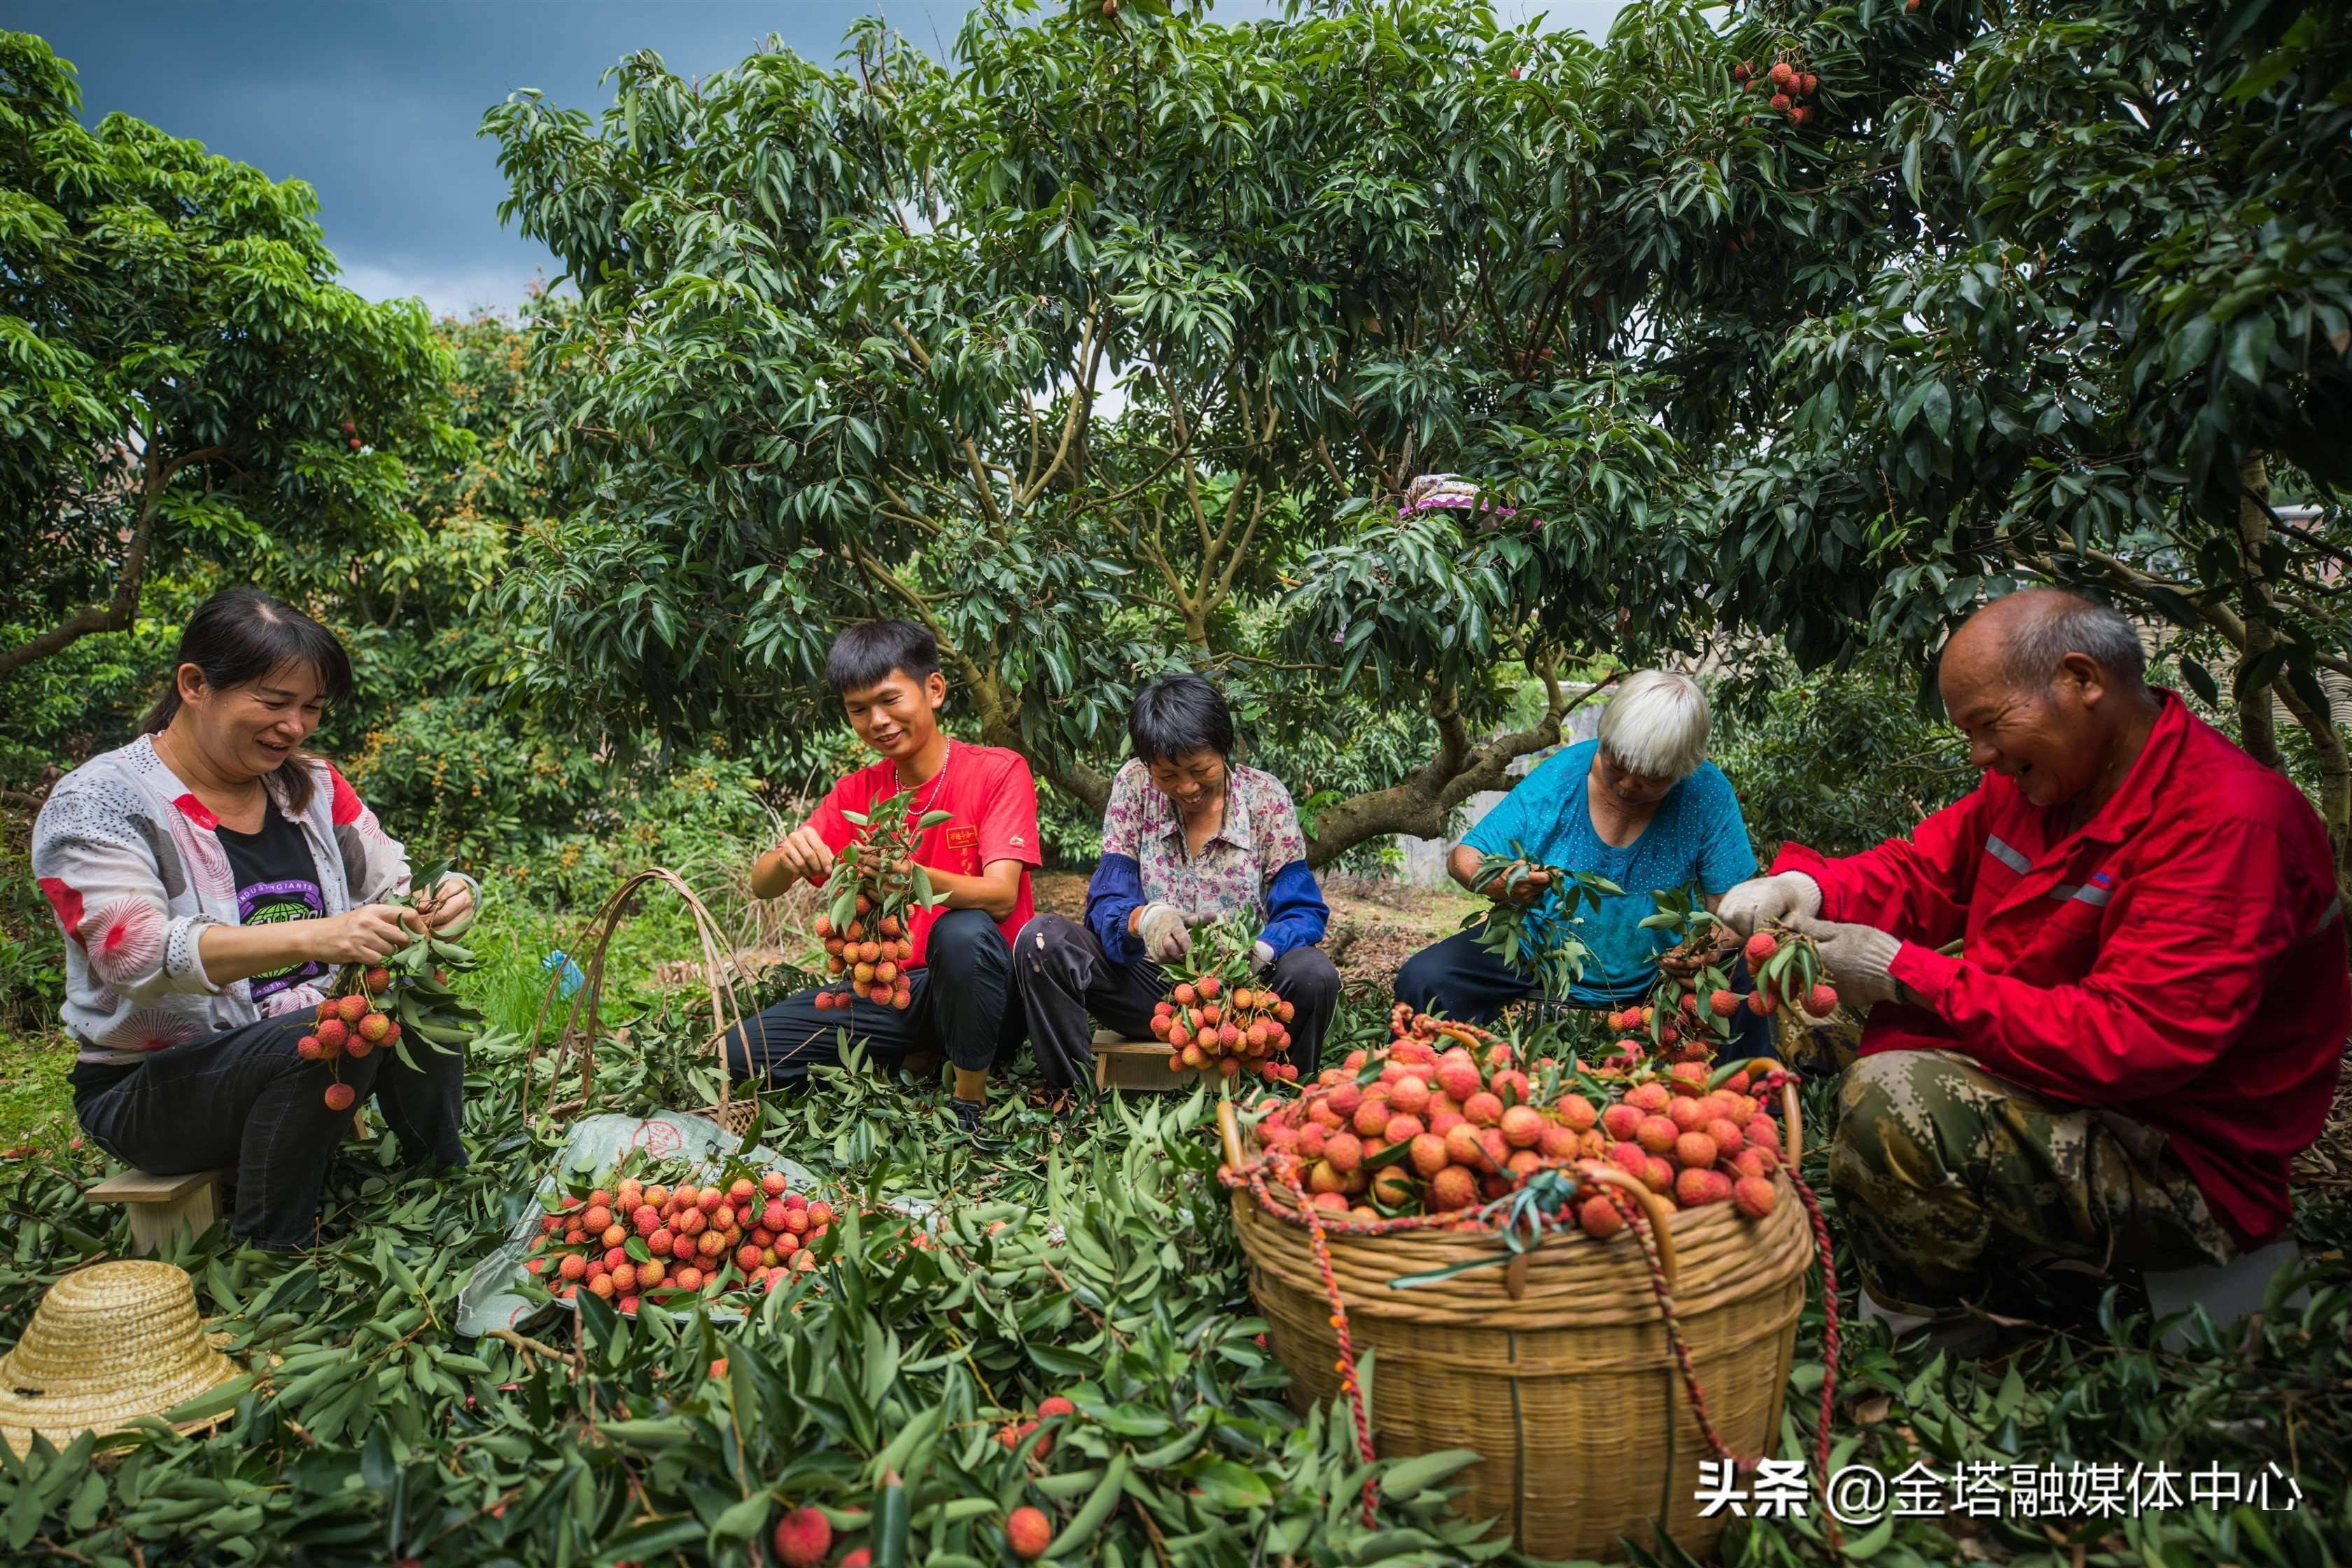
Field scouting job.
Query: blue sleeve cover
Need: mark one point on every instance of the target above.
(1295, 914)
(1114, 894)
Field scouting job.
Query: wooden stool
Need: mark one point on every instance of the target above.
(161, 1206)
(1137, 1065)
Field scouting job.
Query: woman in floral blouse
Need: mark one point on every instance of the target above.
(210, 878)
(1187, 837)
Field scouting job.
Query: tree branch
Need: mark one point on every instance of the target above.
(122, 608)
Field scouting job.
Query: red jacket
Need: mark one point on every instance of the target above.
(2179, 960)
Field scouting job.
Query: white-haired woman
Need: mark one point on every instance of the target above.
(1641, 805)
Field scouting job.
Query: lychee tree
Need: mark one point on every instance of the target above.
(1116, 340)
(182, 381)
(2055, 293)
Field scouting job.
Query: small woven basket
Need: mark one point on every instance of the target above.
(108, 1345)
(1555, 1367)
(583, 1025)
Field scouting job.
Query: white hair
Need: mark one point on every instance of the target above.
(1656, 725)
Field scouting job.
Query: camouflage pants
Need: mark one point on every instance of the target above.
(1945, 1175)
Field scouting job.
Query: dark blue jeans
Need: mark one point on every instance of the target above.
(963, 1007)
(245, 1103)
(1463, 980)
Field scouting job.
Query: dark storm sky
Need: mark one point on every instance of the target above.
(375, 102)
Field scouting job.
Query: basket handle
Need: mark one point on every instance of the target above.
(1790, 1111)
(1229, 1132)
(1653, 1206)
(575, 1037)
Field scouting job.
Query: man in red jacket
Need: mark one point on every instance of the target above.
(2144, 1018)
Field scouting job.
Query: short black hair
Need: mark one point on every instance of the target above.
(864, 656)
(1177, 715)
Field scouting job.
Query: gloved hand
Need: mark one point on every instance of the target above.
(1857, 958)
(1791, 895)
(1166, 936)
(1261, 957)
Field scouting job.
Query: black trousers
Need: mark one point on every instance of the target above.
(1462, 979)
(245, 1100)
(1065, 976)
(961, 1007)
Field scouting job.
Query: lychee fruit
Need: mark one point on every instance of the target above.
(1599, 1217)
(373, 1026)
(1410, 1094)
(1762, 946)
(1761, 1002)
(376, 981)
(352, 1008)
(1630, 1158)
(1457, 1075)
(1463, 1147)
(1483, 1110)
(1822, 1001)
(1652, 1097)
(1028, 1533)
(1522, 1126)
(308, 1049)
(1622, 1120)
(1658, 1175)
(1695, 1151)
(804, 1537)
(1782, 73)
(341, 1096)
(1723, 1004)
(1576, 1112)
(1726, 1136)
(1559, 1142)
(1454, 1187)
(332, 1035)
(1657, 1134)
(1754, 1196)
(1344, 1151)
(1696, 1188)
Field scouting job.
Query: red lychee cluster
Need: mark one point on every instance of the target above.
(1787, 965)
(350, 1026)
(1444, 1120)
(1790, 85)
(1229, 1028)
(872, 961)
(638, 1240)
(867, 927)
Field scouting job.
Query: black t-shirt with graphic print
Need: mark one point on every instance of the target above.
(277, 880)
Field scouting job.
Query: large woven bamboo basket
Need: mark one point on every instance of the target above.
(1556, 1367)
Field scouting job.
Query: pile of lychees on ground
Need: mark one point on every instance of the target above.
(663, 1240)
(1445, 1119)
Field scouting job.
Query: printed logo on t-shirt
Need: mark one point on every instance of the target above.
(964, 843)
(274, 903)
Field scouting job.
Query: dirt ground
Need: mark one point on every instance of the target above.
(1375, 926)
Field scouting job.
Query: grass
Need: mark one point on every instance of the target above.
(34, 1098)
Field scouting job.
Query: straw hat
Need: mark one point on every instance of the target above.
(107, 1345)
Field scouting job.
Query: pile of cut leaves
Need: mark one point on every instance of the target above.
(1088, 1256)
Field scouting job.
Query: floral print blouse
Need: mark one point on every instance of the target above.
(1256, 860)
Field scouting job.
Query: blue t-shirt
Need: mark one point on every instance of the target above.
(1696, 838)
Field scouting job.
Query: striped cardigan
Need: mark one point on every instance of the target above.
(129, 859)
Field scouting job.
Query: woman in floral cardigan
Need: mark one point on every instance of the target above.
(1189, 836)
(210, 878)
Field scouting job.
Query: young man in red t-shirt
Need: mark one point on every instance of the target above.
(887, 674)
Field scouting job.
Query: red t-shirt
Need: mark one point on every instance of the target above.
(991, 802)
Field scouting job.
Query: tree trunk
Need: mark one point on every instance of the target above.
(2257, 712)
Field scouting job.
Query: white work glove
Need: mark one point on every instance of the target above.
(1261, 957)
(1857, 958)
(1166, 937)
(1791, 895)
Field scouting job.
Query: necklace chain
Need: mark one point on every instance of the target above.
(937, 780)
